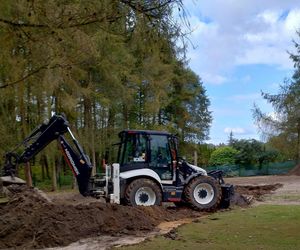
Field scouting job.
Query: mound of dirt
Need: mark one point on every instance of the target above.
(257, 191)
(30, 220)
(246, 194)
(295, 171)
(240, 200)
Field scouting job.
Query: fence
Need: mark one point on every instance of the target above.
(229, 171)
(276, 168)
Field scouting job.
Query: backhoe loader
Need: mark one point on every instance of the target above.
(148, 172)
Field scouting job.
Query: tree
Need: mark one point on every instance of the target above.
(286, 104)
(283, 144)
(230, 139)
(204, 154)
(108, 65)
(252, 152)
(223, 156)
(188, 108)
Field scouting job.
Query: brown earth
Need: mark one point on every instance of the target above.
(29, 220)
(287, 194)
(33, 220)
(246, 194)
(295, 171)
(257, 191)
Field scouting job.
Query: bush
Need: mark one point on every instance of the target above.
(223, 156)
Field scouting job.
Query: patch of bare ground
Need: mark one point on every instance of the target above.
(286, 189)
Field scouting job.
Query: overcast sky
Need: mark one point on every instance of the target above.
(240, 49)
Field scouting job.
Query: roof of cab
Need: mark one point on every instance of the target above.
(147, 132)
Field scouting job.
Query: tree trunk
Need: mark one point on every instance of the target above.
(54, 179)
(28, 178)
(298, 143)
(195, 158)
(42, 162)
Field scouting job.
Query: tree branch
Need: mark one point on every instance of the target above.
(23, 78)
(20, 24)
(142, 9)
(110, 19)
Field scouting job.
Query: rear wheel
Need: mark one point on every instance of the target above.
(203, 193)
(143, 192)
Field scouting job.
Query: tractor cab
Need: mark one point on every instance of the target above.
(155, 150)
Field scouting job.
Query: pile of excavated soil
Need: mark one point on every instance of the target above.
(30, 220)
(246, 194)
(257, 191)
(295, 171)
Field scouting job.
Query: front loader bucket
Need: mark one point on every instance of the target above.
(227, 194)
(6, 181)
(9, 180)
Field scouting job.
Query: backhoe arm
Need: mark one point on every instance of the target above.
(44, 134)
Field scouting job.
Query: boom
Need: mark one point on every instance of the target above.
(44, 134)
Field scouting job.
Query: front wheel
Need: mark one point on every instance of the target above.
(203, 193)
(143, 192)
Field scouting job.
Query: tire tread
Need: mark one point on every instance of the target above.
(188, 193)
(139, 183)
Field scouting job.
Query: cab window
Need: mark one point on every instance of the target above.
(135, 149)
(159, 151)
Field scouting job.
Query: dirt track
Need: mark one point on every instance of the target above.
(32, 220)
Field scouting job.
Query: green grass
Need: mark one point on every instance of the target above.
(287, 197)
(262, 227)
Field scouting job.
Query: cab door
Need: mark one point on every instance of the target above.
(133, 152)
(160, 157)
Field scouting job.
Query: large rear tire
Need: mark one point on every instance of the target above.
(203, 193)
(143, 192)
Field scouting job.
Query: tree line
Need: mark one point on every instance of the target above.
(249, 153)
(107, 65)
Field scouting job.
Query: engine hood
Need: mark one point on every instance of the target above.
(196, 168)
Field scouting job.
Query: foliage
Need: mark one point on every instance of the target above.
(223, 156)
(253, 152)
(108, 65)
(283, 128)
(204, 154)
(283, 144)
(198, 154)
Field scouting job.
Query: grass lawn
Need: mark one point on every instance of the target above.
(262, 227)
